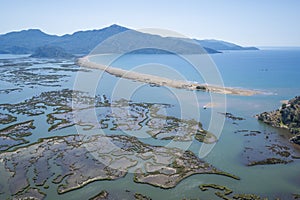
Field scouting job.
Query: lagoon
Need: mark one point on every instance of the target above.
(274, 71)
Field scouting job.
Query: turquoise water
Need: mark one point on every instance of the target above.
(275, 72)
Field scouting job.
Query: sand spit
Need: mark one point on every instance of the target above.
(161, 81)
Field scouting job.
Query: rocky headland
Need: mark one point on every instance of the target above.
(287, 117)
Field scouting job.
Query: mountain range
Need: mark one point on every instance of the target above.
(83, 42)
(222, 45)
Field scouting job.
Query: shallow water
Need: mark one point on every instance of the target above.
(276, 72)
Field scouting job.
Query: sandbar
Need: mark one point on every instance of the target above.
(162, 81)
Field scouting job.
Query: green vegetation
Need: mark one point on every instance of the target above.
(296, 196)
(14, 135)
(269, 161)
(231, 116)
(226, 193)
(101, 196)
(51, 52)
(288, 117)
(205, 187)
(96, 158)
(139, 196)
(7, 118)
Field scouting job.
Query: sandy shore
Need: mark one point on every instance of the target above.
(284, 101)
(151, 79)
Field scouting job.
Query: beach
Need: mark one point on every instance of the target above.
(162, 81)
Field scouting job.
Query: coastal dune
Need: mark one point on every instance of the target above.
(162, 81)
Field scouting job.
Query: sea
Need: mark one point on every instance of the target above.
(272, 72)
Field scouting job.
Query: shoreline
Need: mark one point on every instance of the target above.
(162, 81)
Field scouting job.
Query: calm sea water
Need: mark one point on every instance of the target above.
(276, 72)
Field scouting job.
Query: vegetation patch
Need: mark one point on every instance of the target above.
(84, 159)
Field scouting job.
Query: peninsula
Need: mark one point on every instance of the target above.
(162, 81)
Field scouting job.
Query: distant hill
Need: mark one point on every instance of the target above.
(83, 42)
(222, 45)
(137, 42)
(51, 52)
(24, 41)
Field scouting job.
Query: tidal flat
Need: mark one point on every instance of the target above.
(269, 151)
(15, 135)
(70, 107)
(43, 157)
(85, 159)
(35, 72)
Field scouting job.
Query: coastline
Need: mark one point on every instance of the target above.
(161, 81)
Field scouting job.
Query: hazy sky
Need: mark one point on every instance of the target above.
(246, 22)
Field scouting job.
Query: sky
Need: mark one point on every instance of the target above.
(245, 22)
